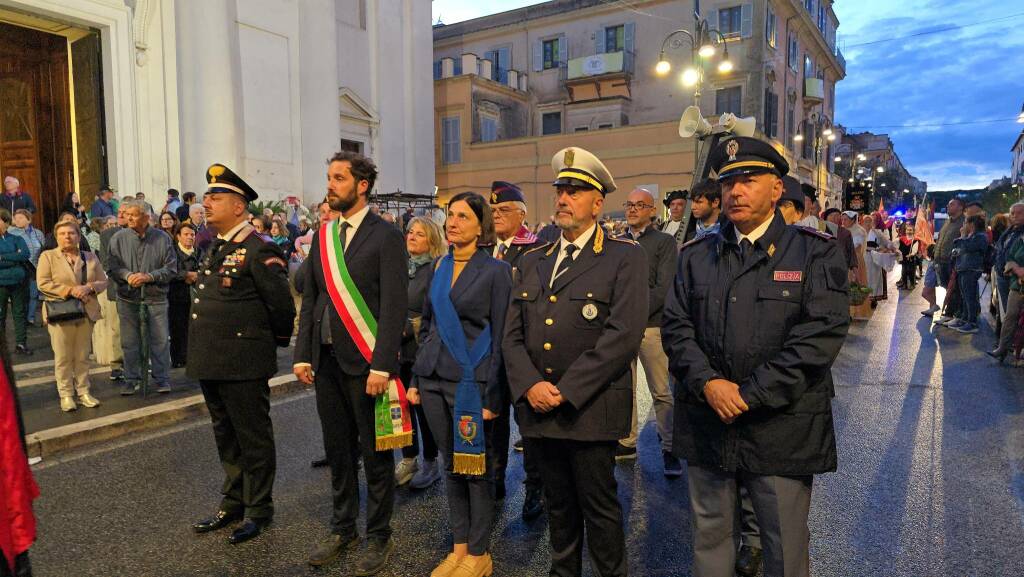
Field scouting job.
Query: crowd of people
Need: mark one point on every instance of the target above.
(490, 320)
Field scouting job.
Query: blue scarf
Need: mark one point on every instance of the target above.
(468, 435)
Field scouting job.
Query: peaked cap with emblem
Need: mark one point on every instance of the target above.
(676, 195)
(221, 179)
(502, 191)
(741, 155)
(792, 191)
(577, 167)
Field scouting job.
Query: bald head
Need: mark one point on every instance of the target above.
(640, 208)
(11, 184)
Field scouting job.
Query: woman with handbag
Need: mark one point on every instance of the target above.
(179, 293)
(69, 280)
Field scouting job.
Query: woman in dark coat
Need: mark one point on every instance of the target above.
(179, 294)
(425, 242)
(459, 377)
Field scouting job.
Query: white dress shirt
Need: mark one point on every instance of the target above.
(580, 242)
(756, 233)
(671, 227)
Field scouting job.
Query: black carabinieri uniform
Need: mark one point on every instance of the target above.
(243, 310)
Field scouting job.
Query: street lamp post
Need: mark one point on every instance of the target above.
(823, 134)
(702, 43)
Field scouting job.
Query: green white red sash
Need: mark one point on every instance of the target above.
(391, 409)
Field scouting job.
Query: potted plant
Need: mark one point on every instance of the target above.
(858, 293)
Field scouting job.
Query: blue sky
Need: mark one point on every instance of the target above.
(907, 84)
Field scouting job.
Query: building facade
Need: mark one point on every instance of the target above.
(1017, 169)
(145, 94)
(893, 183)
(513, 88)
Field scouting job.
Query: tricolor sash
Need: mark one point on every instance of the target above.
(468, 456)
(393, 425)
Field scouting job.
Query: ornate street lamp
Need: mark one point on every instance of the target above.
(702, 42)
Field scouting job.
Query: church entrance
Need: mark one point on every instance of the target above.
(51, 118)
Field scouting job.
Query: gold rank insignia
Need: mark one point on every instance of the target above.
(569, 157)
(771, 250)
(494, 198)
(215, 171)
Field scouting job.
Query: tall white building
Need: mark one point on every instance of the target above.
(145, 94)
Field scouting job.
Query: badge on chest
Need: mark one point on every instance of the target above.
(235, 258)
(788, 276)
(589, 311)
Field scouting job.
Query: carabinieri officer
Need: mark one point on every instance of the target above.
(242, 311)
(577, 316)
(752, 324)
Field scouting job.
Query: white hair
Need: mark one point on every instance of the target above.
(1016, 205)
(13, 179)
(520, 205)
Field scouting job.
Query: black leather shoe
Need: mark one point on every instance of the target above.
(996, 355)
(317, 463)
(333, 547)
(533, 504)
(748, 561)
(219, 521)
(250, 529)
(373, 559)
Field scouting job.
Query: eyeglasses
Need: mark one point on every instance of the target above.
(504, 211)
(636, 205)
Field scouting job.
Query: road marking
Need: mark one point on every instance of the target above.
(31, 366)
(23, 383)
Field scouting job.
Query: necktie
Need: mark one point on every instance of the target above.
(566, 262)
(745, 249)
(502, 248)
(325, 320)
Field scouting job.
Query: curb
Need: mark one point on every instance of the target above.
(50, 442)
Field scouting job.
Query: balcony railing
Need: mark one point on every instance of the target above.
(599, 64)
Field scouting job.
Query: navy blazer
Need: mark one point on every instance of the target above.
(377, 262)
(480, 296)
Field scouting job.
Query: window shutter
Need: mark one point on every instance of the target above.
(437, 70)
(629, 32)
(599, 37)
(563, 50)
(713, 20)
(747, 25)
(538, 56)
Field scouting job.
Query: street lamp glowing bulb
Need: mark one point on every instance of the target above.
(831, 137)
(798, 138)
(838, 159)
(663, 67)
(725, 66)
(861, 157)
(690, 76)
(706, 51)
(880, 169)
(827, 132)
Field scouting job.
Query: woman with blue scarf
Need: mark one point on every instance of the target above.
(458, 377)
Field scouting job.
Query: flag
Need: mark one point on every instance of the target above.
(923, 226)
(881, 207)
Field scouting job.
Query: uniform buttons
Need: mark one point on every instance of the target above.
(590, 295)
(732, 299)
(206, 272)
(526, 295)
(553, 298)
(785, 293)
(549, 322)
(195, 316)
(234, 270)
(548, 371)
(547, 346)
(238, 334)
(196, 301)
(202, 286)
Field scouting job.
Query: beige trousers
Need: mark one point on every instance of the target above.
(70, 343)
(655, 364)
(106, 336)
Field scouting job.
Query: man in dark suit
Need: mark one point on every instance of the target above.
(513, 239)
(347, 384)
(661, 252)
(578, 311)
(243, 310)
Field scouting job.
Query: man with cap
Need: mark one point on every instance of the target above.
(242, 311)
(578, 313)
(752, 325)
(791, 205)
(356, 278)
(513, 239)
(676, 201)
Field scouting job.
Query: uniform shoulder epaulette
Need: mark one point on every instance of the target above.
(622, 239)
(538, 247)
(696, 240)
(814, 232)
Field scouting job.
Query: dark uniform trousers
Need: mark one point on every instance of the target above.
(781, 505)
(580, 490)
(471, 503)
(346, 417)
(240, 411)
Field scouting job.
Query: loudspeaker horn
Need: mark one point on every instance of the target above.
(693, 123)
(738, 126)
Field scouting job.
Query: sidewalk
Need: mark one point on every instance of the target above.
(50, 430)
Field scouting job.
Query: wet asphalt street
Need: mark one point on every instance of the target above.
(930, 482)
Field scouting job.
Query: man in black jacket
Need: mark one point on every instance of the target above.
(752, 325)
(242, 312)
(661, 252)
(346, 383)
(579, 306)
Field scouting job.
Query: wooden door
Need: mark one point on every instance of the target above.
(35, 130)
